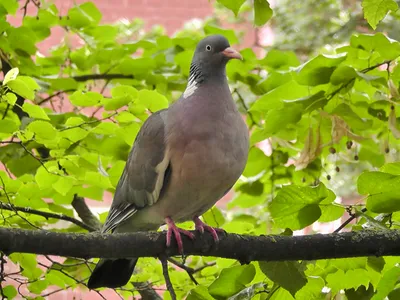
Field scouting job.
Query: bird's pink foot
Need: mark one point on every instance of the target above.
(173, 229)
(201, 226)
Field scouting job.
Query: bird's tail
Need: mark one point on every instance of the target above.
(112, 273)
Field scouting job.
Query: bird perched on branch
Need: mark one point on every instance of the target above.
(184, 159)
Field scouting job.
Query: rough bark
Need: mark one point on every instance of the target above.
(245, 248)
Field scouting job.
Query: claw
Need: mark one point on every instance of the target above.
(201, 226)
(172, 228)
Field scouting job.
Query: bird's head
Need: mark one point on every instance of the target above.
(216, 50)
(211, 56)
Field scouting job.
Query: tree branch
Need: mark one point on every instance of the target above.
(245, 248)
(84, 213)
(146, 291)
(46, 215)
(168, 283)
(87, 77)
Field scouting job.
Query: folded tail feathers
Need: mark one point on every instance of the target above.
(112, 273)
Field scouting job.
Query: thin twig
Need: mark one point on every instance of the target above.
(12, 206)
(168, 283)
(245, 107)
(54, 95)
(2, 262)
(72, 277)
(366, 70)
(89, 122)
(188, 270)
(55, 291)
(37, 158)
(351, 218)
(47, 215)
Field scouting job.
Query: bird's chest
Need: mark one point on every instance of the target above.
(207, 149)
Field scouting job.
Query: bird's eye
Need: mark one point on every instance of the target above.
(208, 48)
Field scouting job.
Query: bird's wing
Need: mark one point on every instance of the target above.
(145, 172)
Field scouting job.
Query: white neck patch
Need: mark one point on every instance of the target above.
(190, 89)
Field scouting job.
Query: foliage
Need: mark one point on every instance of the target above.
(70, 116)
(310, 27)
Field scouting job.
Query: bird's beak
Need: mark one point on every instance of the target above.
(232, 53)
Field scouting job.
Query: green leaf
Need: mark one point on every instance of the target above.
(257, 162)
(346, 264)
(387, 283)
(23, 87)
(138, 66)
(262, 12)
(8, 126)
(277, 119)
(96, 179)
(53, 279)
(245, 201)
(9, 291)
(312, 290)
(382, 190)
(105, 128)
(22, 40)
(249, 292)
(342, 75)
(228, 33)
(288, 274)
(121, 96)
(375, 11)
(153, 100)
(232, 280)
(38, 286)
(330, 212)
(28, 262)
(361, 293)
(347, 280)
(233, 5)
(84, 15)
(199, 293)
(10, 98)
(183, 60)
(296, 207)
(11, 6)
(310, 103)
(44, 178)
(35, 111)
(213, 217)
(63, 185)
(389, 49)
(290, 90)
(391, 168)
(278, 59)
(74, 134)
(318, 70)
(42, 129)
(394, 295)
(85, 99)
(11, 75)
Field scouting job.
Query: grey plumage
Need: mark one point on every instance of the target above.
(184, 158)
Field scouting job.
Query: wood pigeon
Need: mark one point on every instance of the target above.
(184, 159)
